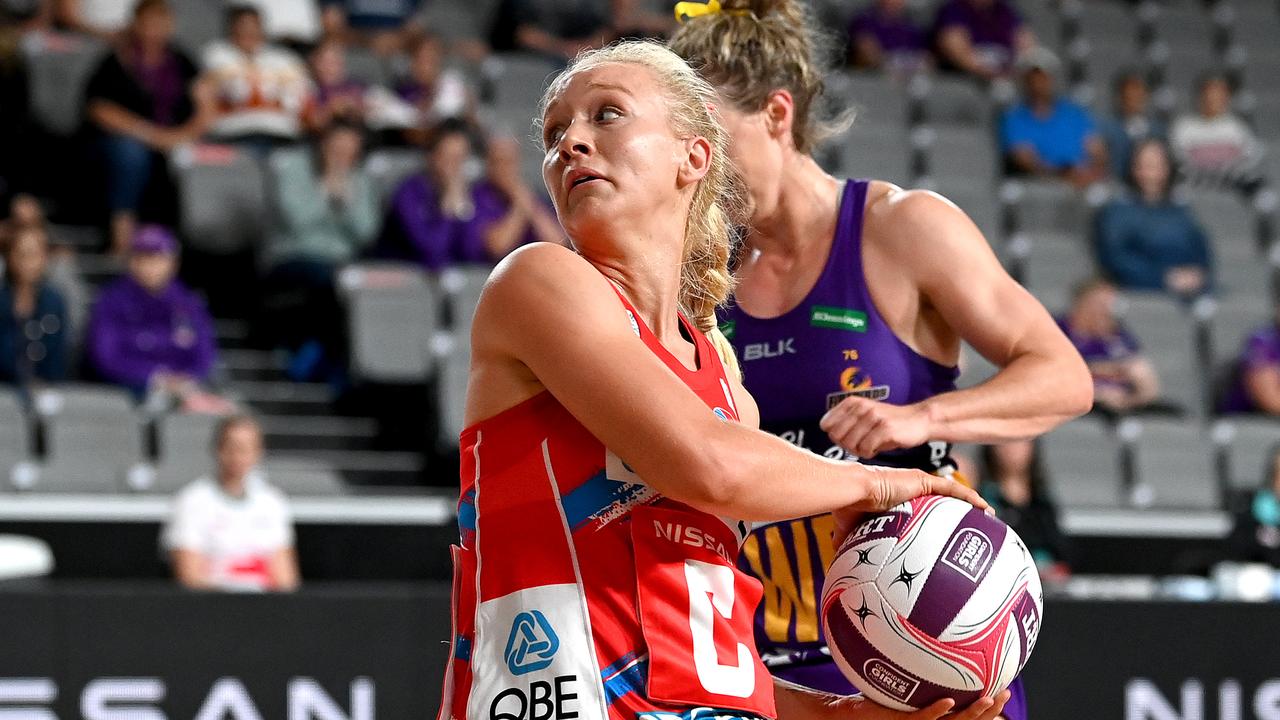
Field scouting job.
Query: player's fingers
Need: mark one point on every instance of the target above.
(997, 706)
(850, 407)
(876, 437)
(934, 711)
(981, 709)
(851, 432)
(946, 486)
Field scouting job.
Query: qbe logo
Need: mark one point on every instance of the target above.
(532, 643)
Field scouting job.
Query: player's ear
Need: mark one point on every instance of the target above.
(779, 113)
(696, 161)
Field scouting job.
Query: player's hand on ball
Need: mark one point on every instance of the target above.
(867, 428)
(857, 708)
(890, 487)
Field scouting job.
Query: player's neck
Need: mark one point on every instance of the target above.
(650, 281)
(805, 212)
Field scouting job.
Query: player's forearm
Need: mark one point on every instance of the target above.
(1030, 396)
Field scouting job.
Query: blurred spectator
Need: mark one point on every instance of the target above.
(1045, 135)
(261, 89)
(336, 94)
(383, 25)
(1133, 121)
(327, 214)
(1014, 485)
(429, 94)
(143, 101)
(643, 19)
(1146, 241)
(1256, 386)
(233, 531)
(294, 23)
(34, 332)
(1214, 146)
(62, 272)
(981, 38)
(1257, 532)
(884, 37)
(442, 219)
(559, 29)
(15, 120)
(149, 333)
(103, 18)
(1123, 378)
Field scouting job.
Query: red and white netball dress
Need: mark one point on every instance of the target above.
(579, 592)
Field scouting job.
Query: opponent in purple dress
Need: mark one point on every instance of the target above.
(797, 366)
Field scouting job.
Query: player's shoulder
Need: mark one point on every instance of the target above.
(896, 209)
(198, 492)
(543, 271)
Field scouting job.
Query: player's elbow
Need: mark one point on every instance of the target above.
(1076, 390)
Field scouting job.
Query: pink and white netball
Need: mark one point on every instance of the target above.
(931, 599)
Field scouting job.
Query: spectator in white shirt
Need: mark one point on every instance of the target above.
(1214, 146)
(233, 532)
(261, 89)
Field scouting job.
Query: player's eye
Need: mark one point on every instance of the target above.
(552, 136)
(608, 113)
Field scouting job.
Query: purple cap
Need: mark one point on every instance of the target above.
(154, 239)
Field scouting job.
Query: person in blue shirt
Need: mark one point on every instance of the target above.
(1045, 135)
(1133, 121)
(1146, 241)
(33, 315)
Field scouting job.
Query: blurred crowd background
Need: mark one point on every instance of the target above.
(243, 241)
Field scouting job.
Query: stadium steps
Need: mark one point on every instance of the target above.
(318, 432)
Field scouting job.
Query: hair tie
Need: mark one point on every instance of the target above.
(686, 10)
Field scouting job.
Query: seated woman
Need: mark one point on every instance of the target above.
(441, 219)
(142, 101)
(1213, 145)
(1256, 382)
(1146, 241)
(1123, 379)
(34, 333)
(884, 37)
(327, 213)
(336, 95)
(1013, 481)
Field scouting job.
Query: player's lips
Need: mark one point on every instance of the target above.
(574, 177)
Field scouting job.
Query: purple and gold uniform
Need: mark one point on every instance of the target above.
(833, 345)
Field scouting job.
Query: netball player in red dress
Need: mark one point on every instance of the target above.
(610, 463)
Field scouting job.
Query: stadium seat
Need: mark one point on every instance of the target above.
(963, 155)
(1055, 265)
(1174, 466)
(1049, 205)
(876, 98)
(365, 66)
(1179, 67)
(876, 151)
(1045, 21)
(1101, 57)
(1098, 19)
(451, 395)
(1254, 24)
(1260, 63)
(93, 438)
(302, 477)
(974, 369)
(185, 450)
(1249, 441)
(460, 19)
(392, 312)
(979, 202)
(59, 67)
(462, 286)
(1266, 113)
(947, 100)
(1166, 331)
(517, 81)
(15, 437)
(388, 167)
(223, 198)
(1233, 322)
(1082, 460)
(1226, 217)
(196, 24)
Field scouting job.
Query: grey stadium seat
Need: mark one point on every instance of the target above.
(875, 98)
(1234, 321)
(1050, 205)
(980, 203)
(963, 154)
(223, 198)
(388, 167)
(954, 101)
(974, 369)
(1082, 460)
(451, 394)
(1249, 443)
(518, 80)
(462, 286)
(185, 445)
(93, 438)
(1167, 335)
(59, 68)
(392, 313)
(364, 65)
(303, 477)
(197, 23)
(1226, 217)
(1097, 19)
(1056, 265)
(460, 19)
(876, 151)
(15, 435)
(1174, 460)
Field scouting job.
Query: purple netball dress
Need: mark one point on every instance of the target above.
(831, 346)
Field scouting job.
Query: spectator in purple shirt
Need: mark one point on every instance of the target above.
(1123, 379)
(336, 95)
(441, 219)
(885, 37)
(1256, 386)
(981, 38)
(147, 331)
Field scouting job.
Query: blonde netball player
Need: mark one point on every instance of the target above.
(610, 458)
(852, 300)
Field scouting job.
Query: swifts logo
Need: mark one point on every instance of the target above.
(532, 643)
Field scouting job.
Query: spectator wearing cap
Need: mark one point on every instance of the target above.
(980, 38)
(1045, 135)
(1255, 384)
(1132, 122)
(1213, 146)
(1123, 378)
(147, 331)
(34, 342)
(884, 37)
(1145, 240)
(233, 531)
(143, 100)
(327, 213)
(261, 90)
(442, 219)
